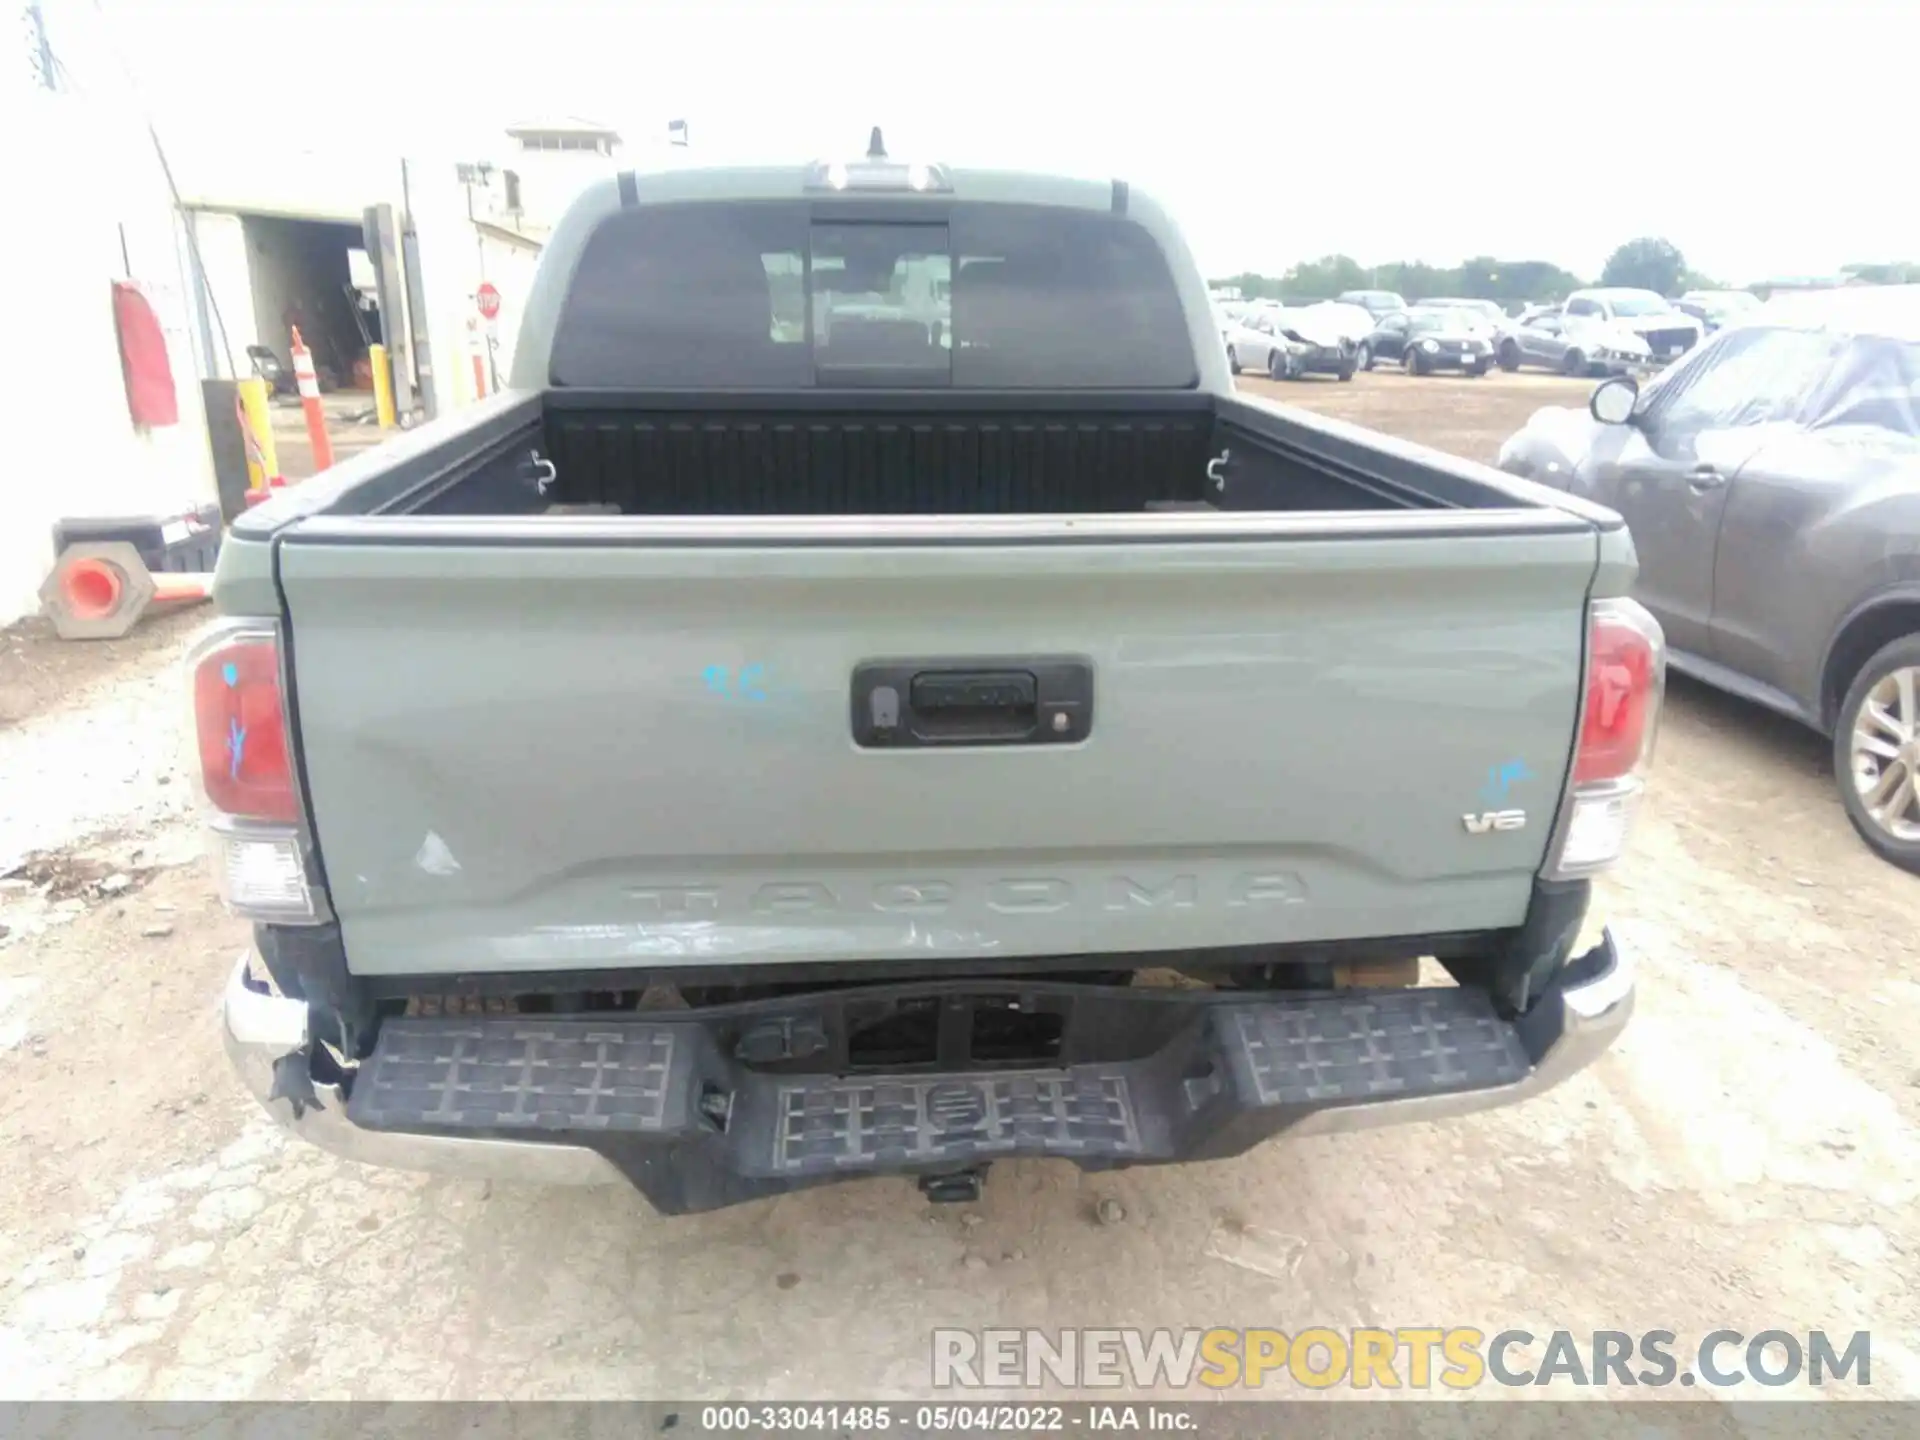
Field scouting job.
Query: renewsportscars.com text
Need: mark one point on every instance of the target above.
(1410, 1358)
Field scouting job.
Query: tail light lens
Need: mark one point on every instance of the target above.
(245, 765)
(1619, 716)
(1626, 657)
(241, 728)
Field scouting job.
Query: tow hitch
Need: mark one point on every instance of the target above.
(958, 1187)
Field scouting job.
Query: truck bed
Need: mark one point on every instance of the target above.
(967, 462)
(818, 453)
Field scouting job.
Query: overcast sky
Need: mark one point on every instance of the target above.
(1763, 137)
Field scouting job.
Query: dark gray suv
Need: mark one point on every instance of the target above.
(1772, 483)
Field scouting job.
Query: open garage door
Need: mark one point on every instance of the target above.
(301, 273)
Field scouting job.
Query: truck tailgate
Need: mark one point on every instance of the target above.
(632, 743)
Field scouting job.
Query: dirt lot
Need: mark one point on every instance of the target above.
(1466, 417)
(350, 429)
(1746, 1159)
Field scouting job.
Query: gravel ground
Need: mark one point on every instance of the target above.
(1747, 1158)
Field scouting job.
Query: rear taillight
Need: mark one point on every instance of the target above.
(245, 766)
(1619, 715)
(241, 728)
(1625, 653)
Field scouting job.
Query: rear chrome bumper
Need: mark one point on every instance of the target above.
(263, 1029)
(269, 1040)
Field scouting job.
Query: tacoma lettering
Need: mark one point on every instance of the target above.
(1004, 895)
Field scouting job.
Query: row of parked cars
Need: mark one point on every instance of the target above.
(1603, 331)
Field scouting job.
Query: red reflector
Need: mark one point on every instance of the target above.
(1624, 674)
(242, 730)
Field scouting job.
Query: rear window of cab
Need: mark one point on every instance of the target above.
(777, 295)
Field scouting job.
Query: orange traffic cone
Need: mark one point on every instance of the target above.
(309, 384)
(99, 589)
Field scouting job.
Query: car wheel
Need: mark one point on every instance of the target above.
(1233, 361)
(1574, 362)
(1363, 357)
(1345, 372)
(1477, 369)
(1411, 362)
(1277, 366)
(1509, 356)
(1876, 753)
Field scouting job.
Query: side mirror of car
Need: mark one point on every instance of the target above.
(1613, 400)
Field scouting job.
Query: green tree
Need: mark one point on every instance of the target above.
(1483, 277)
(1897, 272)
(1648, 263)
(1251, 284)
(1515, 281)
(1324, 278)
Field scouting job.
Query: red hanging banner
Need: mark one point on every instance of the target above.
(143, 358)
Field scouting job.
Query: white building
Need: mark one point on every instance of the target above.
(276, 233)
(278, 237)
(514, 199)
(547, 163)
(87, 170)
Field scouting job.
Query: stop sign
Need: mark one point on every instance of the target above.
(488, 300)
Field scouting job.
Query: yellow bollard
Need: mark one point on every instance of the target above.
(382, 385)
(263, 461)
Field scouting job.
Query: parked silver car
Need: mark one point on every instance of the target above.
(1227, 312)
(1572, 345)
(1329, 331)
(1258, 341)
(1772, 483)
(1668, 331)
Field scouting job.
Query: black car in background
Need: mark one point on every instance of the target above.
(1487, 310)
(1427, 339)
(1375, 302)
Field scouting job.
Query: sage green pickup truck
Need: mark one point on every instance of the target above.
(871, 698)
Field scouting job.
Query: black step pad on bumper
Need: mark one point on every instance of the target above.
(1216, 1075)
(1403, 1042)
(506, 1073)
(864, 1125)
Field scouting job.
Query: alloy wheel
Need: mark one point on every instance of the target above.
(1885, 749)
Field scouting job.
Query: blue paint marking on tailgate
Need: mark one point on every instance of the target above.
(1502, 778)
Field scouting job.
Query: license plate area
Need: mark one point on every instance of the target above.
(954, 1032)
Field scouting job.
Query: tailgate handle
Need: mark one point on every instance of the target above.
(952, 692)
(1039, 701)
